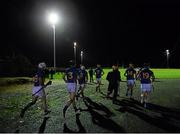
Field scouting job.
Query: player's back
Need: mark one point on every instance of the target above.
(130, 73)
(98, 72)
(145, 76)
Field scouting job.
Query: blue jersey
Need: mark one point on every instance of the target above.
(82, 75)
(130, 73)
(146, 75)
(71, 74)
(98, 72)
(39, 74)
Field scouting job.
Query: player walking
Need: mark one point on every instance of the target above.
(130, 74)
(146, 78)
(70, 77)
(38, 80)
(99, 73)
(82, 80)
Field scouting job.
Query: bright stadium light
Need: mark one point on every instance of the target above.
(53, 19)
(81, 57)
(167, 54)
(75, 45)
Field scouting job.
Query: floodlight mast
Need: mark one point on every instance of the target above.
(81, 57)
(75, 45)
(167, 54)
(53, 19)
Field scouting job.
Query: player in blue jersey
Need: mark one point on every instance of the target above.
(98, 73)
(146, 78)
(82, 80)
(130, 74)
(70, 77)
(38, 80)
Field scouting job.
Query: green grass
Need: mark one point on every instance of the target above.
(159, 73)
(134, 118)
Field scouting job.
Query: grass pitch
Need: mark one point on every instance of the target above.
(98, 113)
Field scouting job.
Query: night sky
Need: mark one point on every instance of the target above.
(107, 31)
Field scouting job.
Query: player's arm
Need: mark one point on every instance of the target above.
(153, 77)
(135, 76)
(125, 74)
(86, 76)
(64, 77)
(41, 81)
(119, 76)
(108, 77)
(102, 73)
(139, 75)
(94, 72)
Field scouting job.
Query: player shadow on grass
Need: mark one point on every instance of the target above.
(159, 116)
(100, 119)
(43, 125)
(79, 124)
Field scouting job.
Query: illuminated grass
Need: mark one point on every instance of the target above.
(159, 73)
(137, 119)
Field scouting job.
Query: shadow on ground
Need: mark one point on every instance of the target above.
(165, 118)
(79, 124)
(101, 116)
(43, 125)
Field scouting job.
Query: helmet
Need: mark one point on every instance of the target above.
(82, 67)
(42, 65)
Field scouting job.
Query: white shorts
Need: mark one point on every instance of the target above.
(35, 89)
(130, 82)
(71, 87)
(98, 79)
(146, 87)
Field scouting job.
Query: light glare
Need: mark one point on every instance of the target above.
(53, 18)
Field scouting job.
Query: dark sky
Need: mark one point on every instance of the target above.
(106, 30)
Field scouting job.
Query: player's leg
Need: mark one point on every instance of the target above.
(91, 79)
(99, 85)
(82, 90)
(44, 102)
(72, 95)
(109, 90)
(68, 103)
(148, 91)
(78, 92)
(34, 99)
(142, 93)
(115, 94)
(118, 92)
(145, 98)
(132, 87)
(127, 91)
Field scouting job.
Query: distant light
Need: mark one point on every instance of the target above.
(53, 18)
(167, 52)
(75, 44)
(81, 53)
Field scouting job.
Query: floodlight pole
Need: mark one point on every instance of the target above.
(81, 57)
(75, 44)
(54, 42)
(167, 53)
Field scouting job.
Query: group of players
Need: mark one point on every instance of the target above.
(78, 77)
(145, 75)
